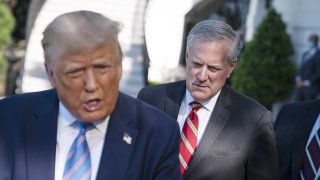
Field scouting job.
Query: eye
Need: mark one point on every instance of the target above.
(102, 68)
(74, 73)
(214, 69)
(196, 65)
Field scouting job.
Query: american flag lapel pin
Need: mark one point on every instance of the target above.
(127, 138)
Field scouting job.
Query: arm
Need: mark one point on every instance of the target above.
(316, 75)
(262, 159)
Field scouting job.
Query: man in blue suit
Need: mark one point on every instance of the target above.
(84, 128)
(308, 75)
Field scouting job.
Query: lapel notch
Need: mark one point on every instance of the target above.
(119, 142)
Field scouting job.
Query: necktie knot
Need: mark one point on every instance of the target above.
(83, 126)
(195, 105)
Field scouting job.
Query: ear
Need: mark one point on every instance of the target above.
(119, 70)
(50, 74)
(231, 67)
(186, 56)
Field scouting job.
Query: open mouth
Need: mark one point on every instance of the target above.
(92, 105)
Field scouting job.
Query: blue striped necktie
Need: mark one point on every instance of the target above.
(311, 160)
(78, 163)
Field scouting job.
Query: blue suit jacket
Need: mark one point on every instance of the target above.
(293, 126)
(5, 156)
(31, 121)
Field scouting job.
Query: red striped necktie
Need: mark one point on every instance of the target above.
(189, 135)
(311, 160)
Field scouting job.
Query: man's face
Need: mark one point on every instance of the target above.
(207, 68)
(87, 83)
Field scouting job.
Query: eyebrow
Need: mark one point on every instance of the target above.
(72, 67)
(101, 61)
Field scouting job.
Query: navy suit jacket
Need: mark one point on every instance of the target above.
(293, 126)
(310, 70)
(238, 143)
(5, 156)
(32, 123)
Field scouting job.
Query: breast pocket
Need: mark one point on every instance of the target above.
(224, 150)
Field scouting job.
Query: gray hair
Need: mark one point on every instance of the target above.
(212, 30)
(77, 32)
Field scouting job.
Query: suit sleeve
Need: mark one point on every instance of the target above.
(169, 166)
(263, 160)
(316, 75)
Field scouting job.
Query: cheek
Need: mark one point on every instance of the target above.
(192, 73)
(68, 85)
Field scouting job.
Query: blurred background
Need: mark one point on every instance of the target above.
(273, 32)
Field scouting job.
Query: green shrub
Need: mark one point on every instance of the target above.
(265, 71)
(6, 27)
(6, 24)
(3, 68)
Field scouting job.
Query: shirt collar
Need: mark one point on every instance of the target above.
(208, 105)
(67, 119)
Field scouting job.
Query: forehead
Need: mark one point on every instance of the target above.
(210, 47)
(108, 51)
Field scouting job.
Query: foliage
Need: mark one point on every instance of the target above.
(6, 24)
(3, 67)
(152, 83)
(265, 71)
(6, 27)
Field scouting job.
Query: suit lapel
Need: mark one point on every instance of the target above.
(174, 98)
(117, 149)
(40, 138)
(301, 137)
(220, 116)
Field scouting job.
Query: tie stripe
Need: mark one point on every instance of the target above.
(187, 144)
(183, 163)
(78, 163)
(193, 128)
(87, 175)
(311, 160)
(189, 135)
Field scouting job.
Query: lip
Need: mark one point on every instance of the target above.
(92, 105)
(199, 85)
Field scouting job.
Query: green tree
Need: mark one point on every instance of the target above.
(265, 71)
(6, 27)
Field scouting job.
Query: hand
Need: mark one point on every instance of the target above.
(300, 83)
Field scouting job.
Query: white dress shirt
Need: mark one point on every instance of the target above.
(66, 135)
(315, 128)
(204, 113)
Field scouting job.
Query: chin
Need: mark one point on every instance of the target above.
(92, 117)
(199, 97)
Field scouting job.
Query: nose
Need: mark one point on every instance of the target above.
(91, 83)
(202, 74)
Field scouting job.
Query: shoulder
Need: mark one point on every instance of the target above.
(146, 114)
(162, 87)
(293, 112)
(300, 106)
(26, 99)
(243, 103)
